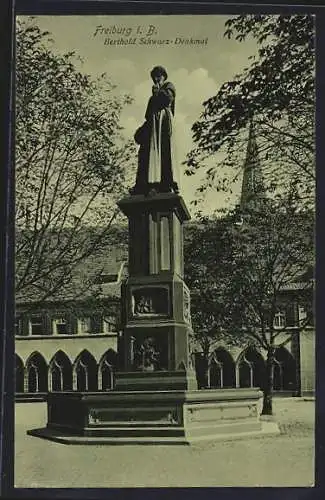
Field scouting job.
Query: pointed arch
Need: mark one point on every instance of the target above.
(222, 371)
(19, 374)
(111, 356)
(60, 371)
(284, 370)
(85, 371)
(36, 373)
(251, 368)
(106, 370)
(215, 374)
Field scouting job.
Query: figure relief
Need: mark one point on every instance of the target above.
(153, 301)
(143, 305)
(147, 355)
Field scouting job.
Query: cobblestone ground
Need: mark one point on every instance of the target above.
(284, 460)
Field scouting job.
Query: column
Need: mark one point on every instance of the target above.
(25, 379)
(237, 375)
(165, 253)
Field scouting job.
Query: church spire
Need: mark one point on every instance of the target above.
(252, 185)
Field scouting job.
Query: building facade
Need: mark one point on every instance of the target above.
(245, 365)
(69, 344)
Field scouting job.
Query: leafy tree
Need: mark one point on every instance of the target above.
(72, 163)
(278, 90)
(274, 249)
(242, 288)
(207, 258)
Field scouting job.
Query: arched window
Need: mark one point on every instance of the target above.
(85, 371)
(36, 369)
(284, 371)
(19, 374)
(107, 367)
(107, 376)
(61, 372)
(223, 359)
(215, 374)
(251, 369)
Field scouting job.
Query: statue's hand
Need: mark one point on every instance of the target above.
(155, 89)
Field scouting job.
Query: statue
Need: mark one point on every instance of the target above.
(157, 168)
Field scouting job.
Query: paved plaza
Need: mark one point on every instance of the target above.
(284, 460)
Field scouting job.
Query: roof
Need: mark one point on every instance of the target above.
(100, 275)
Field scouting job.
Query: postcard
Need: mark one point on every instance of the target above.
(164, 255)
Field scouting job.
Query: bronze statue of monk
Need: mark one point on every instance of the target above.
(157, 167)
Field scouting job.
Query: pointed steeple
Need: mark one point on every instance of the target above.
(252, 186)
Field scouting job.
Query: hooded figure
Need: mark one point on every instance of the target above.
(157, 166)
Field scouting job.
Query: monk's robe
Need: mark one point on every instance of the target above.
(157, 165)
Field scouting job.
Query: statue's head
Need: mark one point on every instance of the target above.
(158, 74)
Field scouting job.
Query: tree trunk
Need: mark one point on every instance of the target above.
(268, 386)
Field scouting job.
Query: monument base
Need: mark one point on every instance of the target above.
(178, 380)
(153, 417)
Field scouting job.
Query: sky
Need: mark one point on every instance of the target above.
(127, 48)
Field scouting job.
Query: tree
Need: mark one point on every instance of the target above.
(273, 251)
(266, 250)
(72, 163)
(207, 258)
(278, 91)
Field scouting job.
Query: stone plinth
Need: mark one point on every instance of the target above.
(152, 417)
(156, 381)
(155, 298)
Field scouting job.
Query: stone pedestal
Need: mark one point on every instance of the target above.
(153, 417)
(155, 299)
(155, 400)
